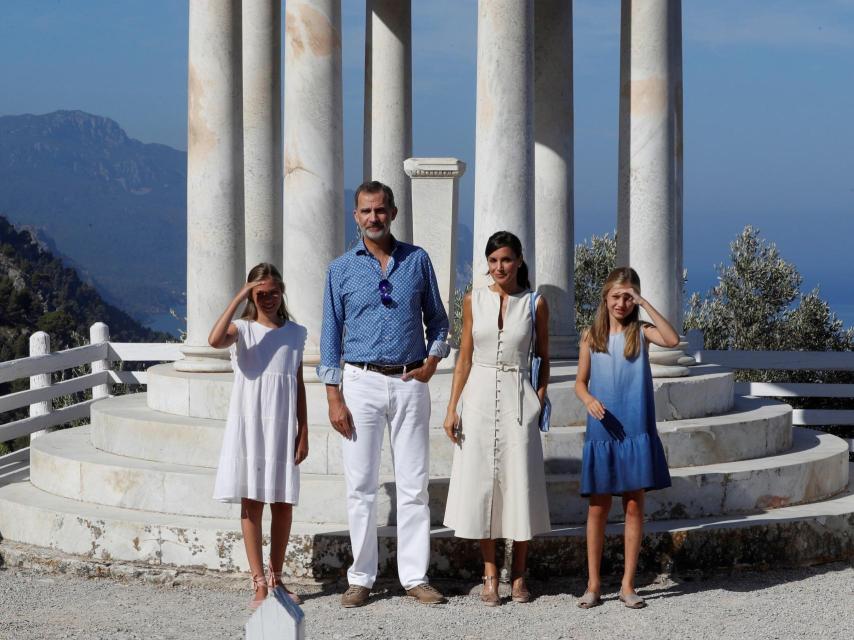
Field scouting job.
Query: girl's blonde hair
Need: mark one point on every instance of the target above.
(259, 272)
(600, 331)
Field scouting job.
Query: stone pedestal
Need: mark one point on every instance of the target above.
(314, 169)
(388, 90)
(215, 258)
(504, 169)
(649, 225)
(553, 180)
(435, 204)
(262, 131)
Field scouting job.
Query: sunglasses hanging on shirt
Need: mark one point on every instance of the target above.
(385, 292)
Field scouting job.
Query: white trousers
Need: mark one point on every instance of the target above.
(378, 402)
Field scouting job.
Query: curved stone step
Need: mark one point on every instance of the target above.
(708, 390)
(795, 535)
(124, 425)
(66, 464)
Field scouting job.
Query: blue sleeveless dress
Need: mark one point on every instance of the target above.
(622, 452)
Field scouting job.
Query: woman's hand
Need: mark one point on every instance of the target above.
(452, 419)
(595, 408)
(301, 449)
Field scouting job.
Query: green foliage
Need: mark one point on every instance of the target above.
(593, 262)
(457, 319)
(37, 292)
(757, 306)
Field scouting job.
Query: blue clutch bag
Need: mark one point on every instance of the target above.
(536, 363)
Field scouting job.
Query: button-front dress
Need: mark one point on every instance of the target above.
(498, 484)
(622, 452)
(257, 456)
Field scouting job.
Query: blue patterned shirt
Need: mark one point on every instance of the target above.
(358, 327)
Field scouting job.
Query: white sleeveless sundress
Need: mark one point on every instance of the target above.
(257, 456)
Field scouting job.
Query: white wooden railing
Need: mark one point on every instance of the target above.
(95, 360)
(787, 361)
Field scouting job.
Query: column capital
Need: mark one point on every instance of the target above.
(434, 167)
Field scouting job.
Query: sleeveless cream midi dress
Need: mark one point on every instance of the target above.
(498, 484)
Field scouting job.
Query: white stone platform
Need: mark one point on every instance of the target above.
(65, 463)
(708, 390)
(136, 484)
(126, 426)
(808, 533)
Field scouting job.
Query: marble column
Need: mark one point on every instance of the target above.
(388, 88)
(504, 133)
(553, 179)
(262, 131)
(649, 224)
(367, 98)
(435, 210)
(215, 259)
(314, 168)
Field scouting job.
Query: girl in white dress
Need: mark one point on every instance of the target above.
(266, 434)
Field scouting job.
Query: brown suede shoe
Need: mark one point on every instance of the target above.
(426, 594)
(355, 596)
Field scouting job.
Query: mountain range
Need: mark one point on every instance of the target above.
(113, 208)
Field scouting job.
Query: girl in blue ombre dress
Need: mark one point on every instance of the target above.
(622, 451)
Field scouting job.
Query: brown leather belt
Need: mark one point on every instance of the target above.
(388, 369)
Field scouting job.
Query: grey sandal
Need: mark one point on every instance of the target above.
(632, 600)
(589, 600)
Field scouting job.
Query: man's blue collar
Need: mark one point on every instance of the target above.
(360, 249)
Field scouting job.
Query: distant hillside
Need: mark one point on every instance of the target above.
(114, 206)
(38, 292)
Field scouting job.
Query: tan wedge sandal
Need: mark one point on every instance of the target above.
(489, 593)
(275, 580)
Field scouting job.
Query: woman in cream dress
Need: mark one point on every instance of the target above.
(498, 487)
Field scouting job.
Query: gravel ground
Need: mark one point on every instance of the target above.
(816, 602)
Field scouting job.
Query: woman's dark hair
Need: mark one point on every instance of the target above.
(501, 239)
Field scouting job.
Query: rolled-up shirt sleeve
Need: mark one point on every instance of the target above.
(329, 369)
(435, 318)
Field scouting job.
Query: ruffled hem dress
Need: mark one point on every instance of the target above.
(622, 452)
(498, 483)
(257, 456)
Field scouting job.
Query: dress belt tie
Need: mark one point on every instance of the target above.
(501, 366)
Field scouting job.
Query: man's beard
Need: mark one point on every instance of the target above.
(376, 234)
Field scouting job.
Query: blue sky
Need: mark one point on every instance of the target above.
(769, 98)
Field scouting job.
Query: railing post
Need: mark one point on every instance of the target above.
(100, 332)
(696, 344)
(40, 346)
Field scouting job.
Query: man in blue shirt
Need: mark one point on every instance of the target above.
(380, 297)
